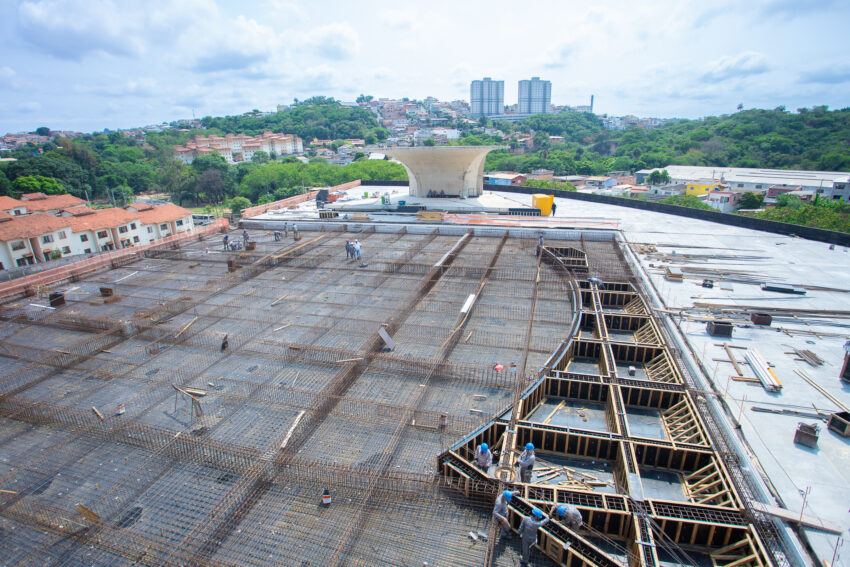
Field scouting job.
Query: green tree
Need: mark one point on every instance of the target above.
(260, 157)
(238, 204)
(5, 184)
(658, 177)
(430, 142)
(788, 200)
(42, 131)
(38, 184)
(210, 186)
(751, 200)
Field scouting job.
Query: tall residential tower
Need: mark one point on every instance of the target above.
(535, 96)
(487, 97)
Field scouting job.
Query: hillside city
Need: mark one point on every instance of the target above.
(746, 162)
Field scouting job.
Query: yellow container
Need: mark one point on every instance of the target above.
(543, 202)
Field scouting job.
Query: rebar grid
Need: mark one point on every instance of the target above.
(258, 387)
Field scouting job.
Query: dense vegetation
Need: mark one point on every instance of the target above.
(814, 138)
(100, 164)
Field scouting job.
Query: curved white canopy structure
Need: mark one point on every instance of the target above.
(454, 170)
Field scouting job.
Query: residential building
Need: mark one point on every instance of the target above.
(32, 237)
(487, 97)
(600, 181)
(504, 178)
(27, 239)
(702, 187)
(830, 185)
(239, 147)
(724, 201)
(535, 96)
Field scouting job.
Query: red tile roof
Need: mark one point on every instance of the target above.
(163, 213)
(52, 203)
(27, 226)
(8, 203)
(33, 196)
(102, 219)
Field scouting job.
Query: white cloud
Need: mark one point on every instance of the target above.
(29, 106)
(9, 78)
(736, 66)
(559, 55)
(337, 41)
(72, 29)
(399, 19)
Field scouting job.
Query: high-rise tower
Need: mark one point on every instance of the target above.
(535, 96)
(486, 97)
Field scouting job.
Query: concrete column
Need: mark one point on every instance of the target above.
(10, 253)
(36, 249)
(173, 226)
(116, 240)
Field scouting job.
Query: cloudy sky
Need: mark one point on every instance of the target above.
(94, 64)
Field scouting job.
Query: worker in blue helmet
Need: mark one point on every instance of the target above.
(483, 457)
(500, 513)
(526, 463)
(528, 532)
(568, 515)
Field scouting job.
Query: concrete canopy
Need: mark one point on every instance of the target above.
(454, 170)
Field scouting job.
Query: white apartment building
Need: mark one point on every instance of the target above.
(487, 97)
(38, 237)
(535, 96)
(236, 148)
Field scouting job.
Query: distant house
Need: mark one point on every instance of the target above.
(600, 181)
(724, 201)
(504, 178)
(542, 174)
(702, 187)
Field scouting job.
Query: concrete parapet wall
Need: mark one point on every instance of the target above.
(811, 233)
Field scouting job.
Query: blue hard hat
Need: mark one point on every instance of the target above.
(537, 513)
(484, 447)
(562, 510)
(508, 495)
(529, 446)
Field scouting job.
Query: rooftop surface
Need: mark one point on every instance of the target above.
(198, 413)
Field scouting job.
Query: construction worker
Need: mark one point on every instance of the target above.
(348, 250)
(500, 513)
(568, 515)
(483, 457)
(526, 463)
(285, 229)
(224, 344)
(554, 206)
(357, 248)
(224, 241)
(539, 244)
(597, 281)
(245, 236)
(528, 532)
(295, 231)
(277, 236)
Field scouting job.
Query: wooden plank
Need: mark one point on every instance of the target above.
(820, 389)
(185, 327)
(794, 517)
(292, 429)
(97, 413)
(87, 512)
